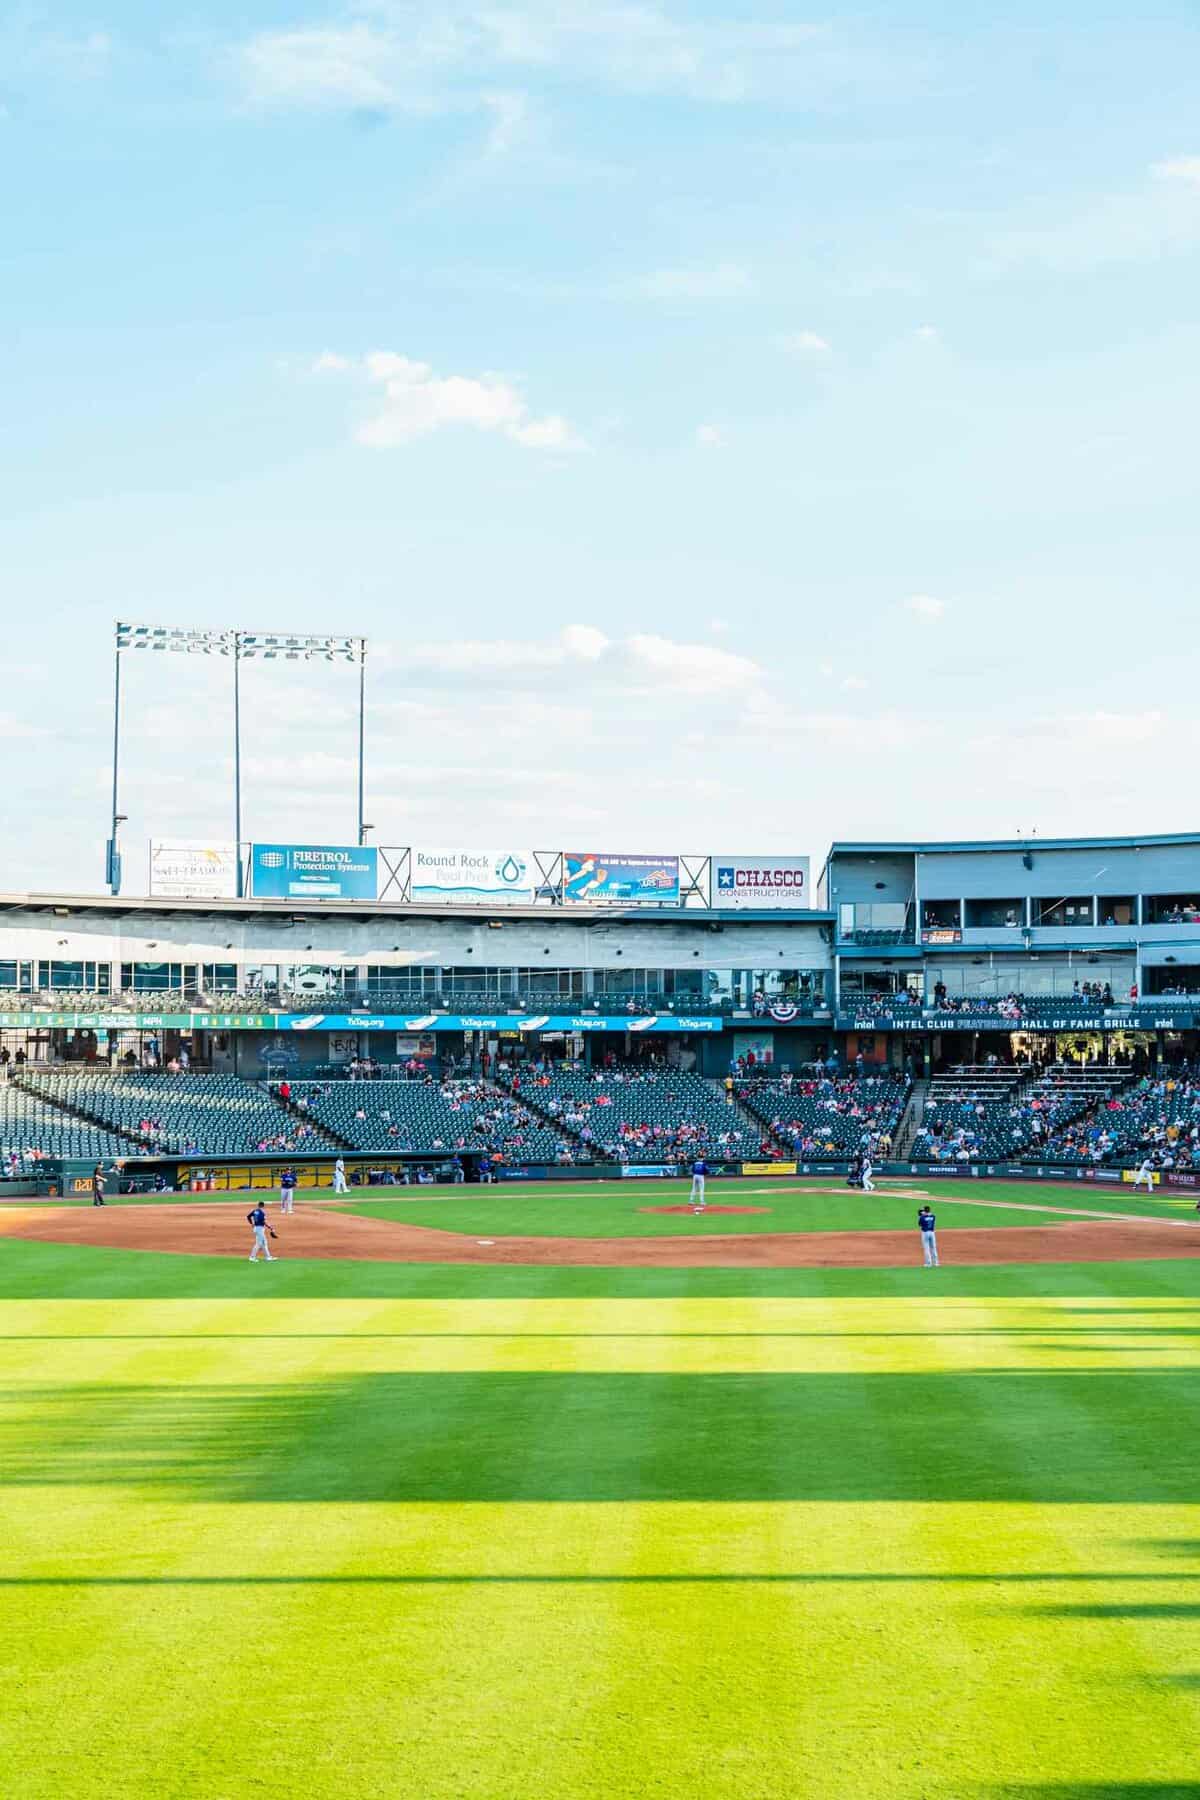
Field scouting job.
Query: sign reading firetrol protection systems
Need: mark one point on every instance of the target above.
(313, 872)
(759, 883)
(461, 877)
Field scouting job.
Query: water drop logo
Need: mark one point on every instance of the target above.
(510, 871)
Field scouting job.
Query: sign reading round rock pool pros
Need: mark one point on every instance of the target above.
(760, 883)
(460, 877)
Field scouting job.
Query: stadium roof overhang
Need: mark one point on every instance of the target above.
(574, 913)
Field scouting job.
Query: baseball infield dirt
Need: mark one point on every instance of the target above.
(218, 1230)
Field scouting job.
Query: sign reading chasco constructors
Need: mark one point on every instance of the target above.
(460, 877)
(759, 883)
(186, 869)
(313, 872)
(598, 875)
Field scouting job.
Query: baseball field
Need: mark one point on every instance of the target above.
(698, 1511)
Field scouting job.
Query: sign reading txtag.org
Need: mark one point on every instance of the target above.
(760, 883)
(313, 872)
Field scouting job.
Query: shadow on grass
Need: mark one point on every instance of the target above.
(1096, 1790)
(1043, 1437)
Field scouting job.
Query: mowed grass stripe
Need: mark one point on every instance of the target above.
(231, 1343)
(399, 1438)
(32, 1270)
(359, 1581)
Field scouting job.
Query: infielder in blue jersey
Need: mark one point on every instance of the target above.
(927, 1225)
(287, 1190)
(699, 1171)
(256, 1218)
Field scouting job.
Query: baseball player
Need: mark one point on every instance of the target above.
(287, 1189)
(699, 1171)
(256, 1218)
(927, 1224)
(868, 1186)
(1145, 1172)
(339, 1176)
(98, 1185)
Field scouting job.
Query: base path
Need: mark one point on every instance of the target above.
(214, 1229)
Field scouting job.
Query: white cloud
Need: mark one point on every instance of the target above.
(642, 662)
(925, 606)
(718, 627)
(805, 343)
(1178, 168)
(1157, 217)
(415, 403)
(393, 55)
(725, 281)
(710, 437)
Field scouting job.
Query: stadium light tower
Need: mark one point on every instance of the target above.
(240, 646)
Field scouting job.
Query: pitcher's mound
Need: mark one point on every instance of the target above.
(683, 1207)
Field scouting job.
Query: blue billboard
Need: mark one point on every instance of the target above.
(313, 872)
(597, 875)
(485, 1022)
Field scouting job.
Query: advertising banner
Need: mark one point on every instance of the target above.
(779, 1168)
(313, 872)
(634, 1171)
(917, 1019)
(494, 1023)
(758, 1044)
(596, 875)
(186, 869)
(1129, 1176)
(466, 877)
(760, 883)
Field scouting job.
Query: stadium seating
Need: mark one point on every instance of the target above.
(30, 1123)
(208, 1115)
(817, 1117)
(391, 1117)
(641, 1116)
(1107, 1116)
(971, 1112)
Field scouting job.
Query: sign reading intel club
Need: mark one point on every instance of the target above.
(313, 872)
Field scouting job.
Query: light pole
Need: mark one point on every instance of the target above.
(242, 646)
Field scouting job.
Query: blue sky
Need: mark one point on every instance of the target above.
(731, 425)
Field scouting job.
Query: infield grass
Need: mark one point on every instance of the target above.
(350, 1530)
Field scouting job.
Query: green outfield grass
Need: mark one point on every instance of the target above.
(358, 1530)
(618, 1210)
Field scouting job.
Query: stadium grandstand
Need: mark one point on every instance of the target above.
(961, 1003)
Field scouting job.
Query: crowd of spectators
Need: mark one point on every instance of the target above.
(827, 1115)
(636, 1113)
(1157, 1116)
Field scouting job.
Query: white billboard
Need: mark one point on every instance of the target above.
(186, 869)
(472, 877)
(760, 883)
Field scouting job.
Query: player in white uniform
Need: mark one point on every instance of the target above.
(867, 1184)
(699, 1171)
(339, 1176)
(1145, 1173)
